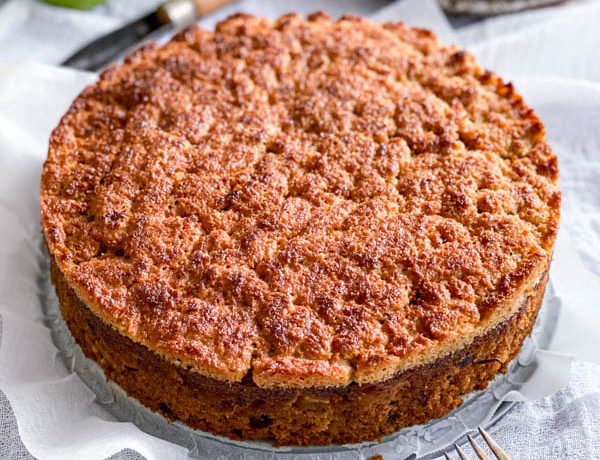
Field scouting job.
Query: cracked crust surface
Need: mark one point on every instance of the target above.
(300, 202)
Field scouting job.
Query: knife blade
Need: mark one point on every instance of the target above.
(174, 13)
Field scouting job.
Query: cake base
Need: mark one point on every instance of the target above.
(314, 416)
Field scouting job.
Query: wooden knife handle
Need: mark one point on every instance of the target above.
(204, 7)
(181, 13)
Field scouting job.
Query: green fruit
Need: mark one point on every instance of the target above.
(77, 4)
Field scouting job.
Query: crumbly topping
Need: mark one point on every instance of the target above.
(298, 195)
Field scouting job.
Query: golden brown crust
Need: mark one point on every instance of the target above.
(306, 202)
(299, 416)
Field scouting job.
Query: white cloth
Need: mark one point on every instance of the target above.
(549, 45)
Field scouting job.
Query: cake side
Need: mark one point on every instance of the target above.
(301, 202)
(300, 416)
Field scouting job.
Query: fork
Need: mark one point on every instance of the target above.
(494, 447)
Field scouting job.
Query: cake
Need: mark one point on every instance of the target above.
(302, 230)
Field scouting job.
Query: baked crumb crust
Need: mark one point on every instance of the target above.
(302, 203)
(300, 416)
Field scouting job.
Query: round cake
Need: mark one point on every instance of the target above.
(305, 231)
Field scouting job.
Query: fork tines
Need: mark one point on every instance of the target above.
(494, 447)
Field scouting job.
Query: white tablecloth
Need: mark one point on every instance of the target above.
(556, 44)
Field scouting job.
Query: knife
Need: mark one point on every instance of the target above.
(174, 13)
